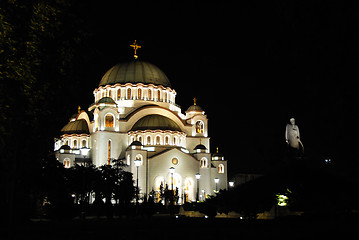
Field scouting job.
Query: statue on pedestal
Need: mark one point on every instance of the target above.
(292, 137)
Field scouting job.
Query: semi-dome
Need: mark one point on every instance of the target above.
(106, 100)
(155, 122)
(200, 147)
(76, 127)
(135, 72)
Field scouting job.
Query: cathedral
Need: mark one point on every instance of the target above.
(135, 118)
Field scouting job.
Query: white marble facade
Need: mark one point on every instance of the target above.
(135, 116)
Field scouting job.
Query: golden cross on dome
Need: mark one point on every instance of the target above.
(194, 101)
(135, 47)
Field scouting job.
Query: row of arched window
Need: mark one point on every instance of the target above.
(204, 164)
(77, 143)
(137, 92)
(159, 138)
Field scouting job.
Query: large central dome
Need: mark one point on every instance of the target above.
(135, 72)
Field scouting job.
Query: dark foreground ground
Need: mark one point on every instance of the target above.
(167, 228)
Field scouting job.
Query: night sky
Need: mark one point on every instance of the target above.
(252, 66)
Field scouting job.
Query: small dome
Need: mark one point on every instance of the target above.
(135, 72)
(76, 127)
(200, 147)
(136, 143)
(155, 122)
(217, 156)
(65, 147)
(194, 108)
(106, 100)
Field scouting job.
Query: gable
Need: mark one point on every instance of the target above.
(171, 152)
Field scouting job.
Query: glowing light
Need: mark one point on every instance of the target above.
(282, 200)
(184, 150)
(137, 162)
(149, 149)
(84, 151)
(328, 161)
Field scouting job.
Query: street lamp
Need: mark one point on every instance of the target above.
(198, 176)
(216, 180)
(137, 164)
(84, 151)
(231, 184)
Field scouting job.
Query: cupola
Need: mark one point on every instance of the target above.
(217, 156)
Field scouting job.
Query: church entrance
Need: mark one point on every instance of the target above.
(188, 194)
(174, 185)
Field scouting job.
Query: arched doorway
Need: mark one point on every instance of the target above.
(176, 181)
(189, 195)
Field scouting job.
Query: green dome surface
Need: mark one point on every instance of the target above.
(135, 72)
(155, 122)
(76, 127)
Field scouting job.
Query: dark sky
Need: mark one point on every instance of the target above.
(251, 66)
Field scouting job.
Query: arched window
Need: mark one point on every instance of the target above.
(75, 144)
(175, 140)
(158, 95)
(188, 190)
(109, 93)
(139, 93)
(148, 140)
(128, 93)
(158, 140)
(109, 120)
(149, 94)
(67, 163)
(220, 168)
(119, 94)
(199, 127)
(167, 139)
(165, 96)
(83, 143)
(139, 139)
(204, 162)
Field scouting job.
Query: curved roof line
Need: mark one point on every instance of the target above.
(129, 116)
(155, 122)
(135, 72)
(77, 127)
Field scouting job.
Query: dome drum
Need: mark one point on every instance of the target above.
(150, 92)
